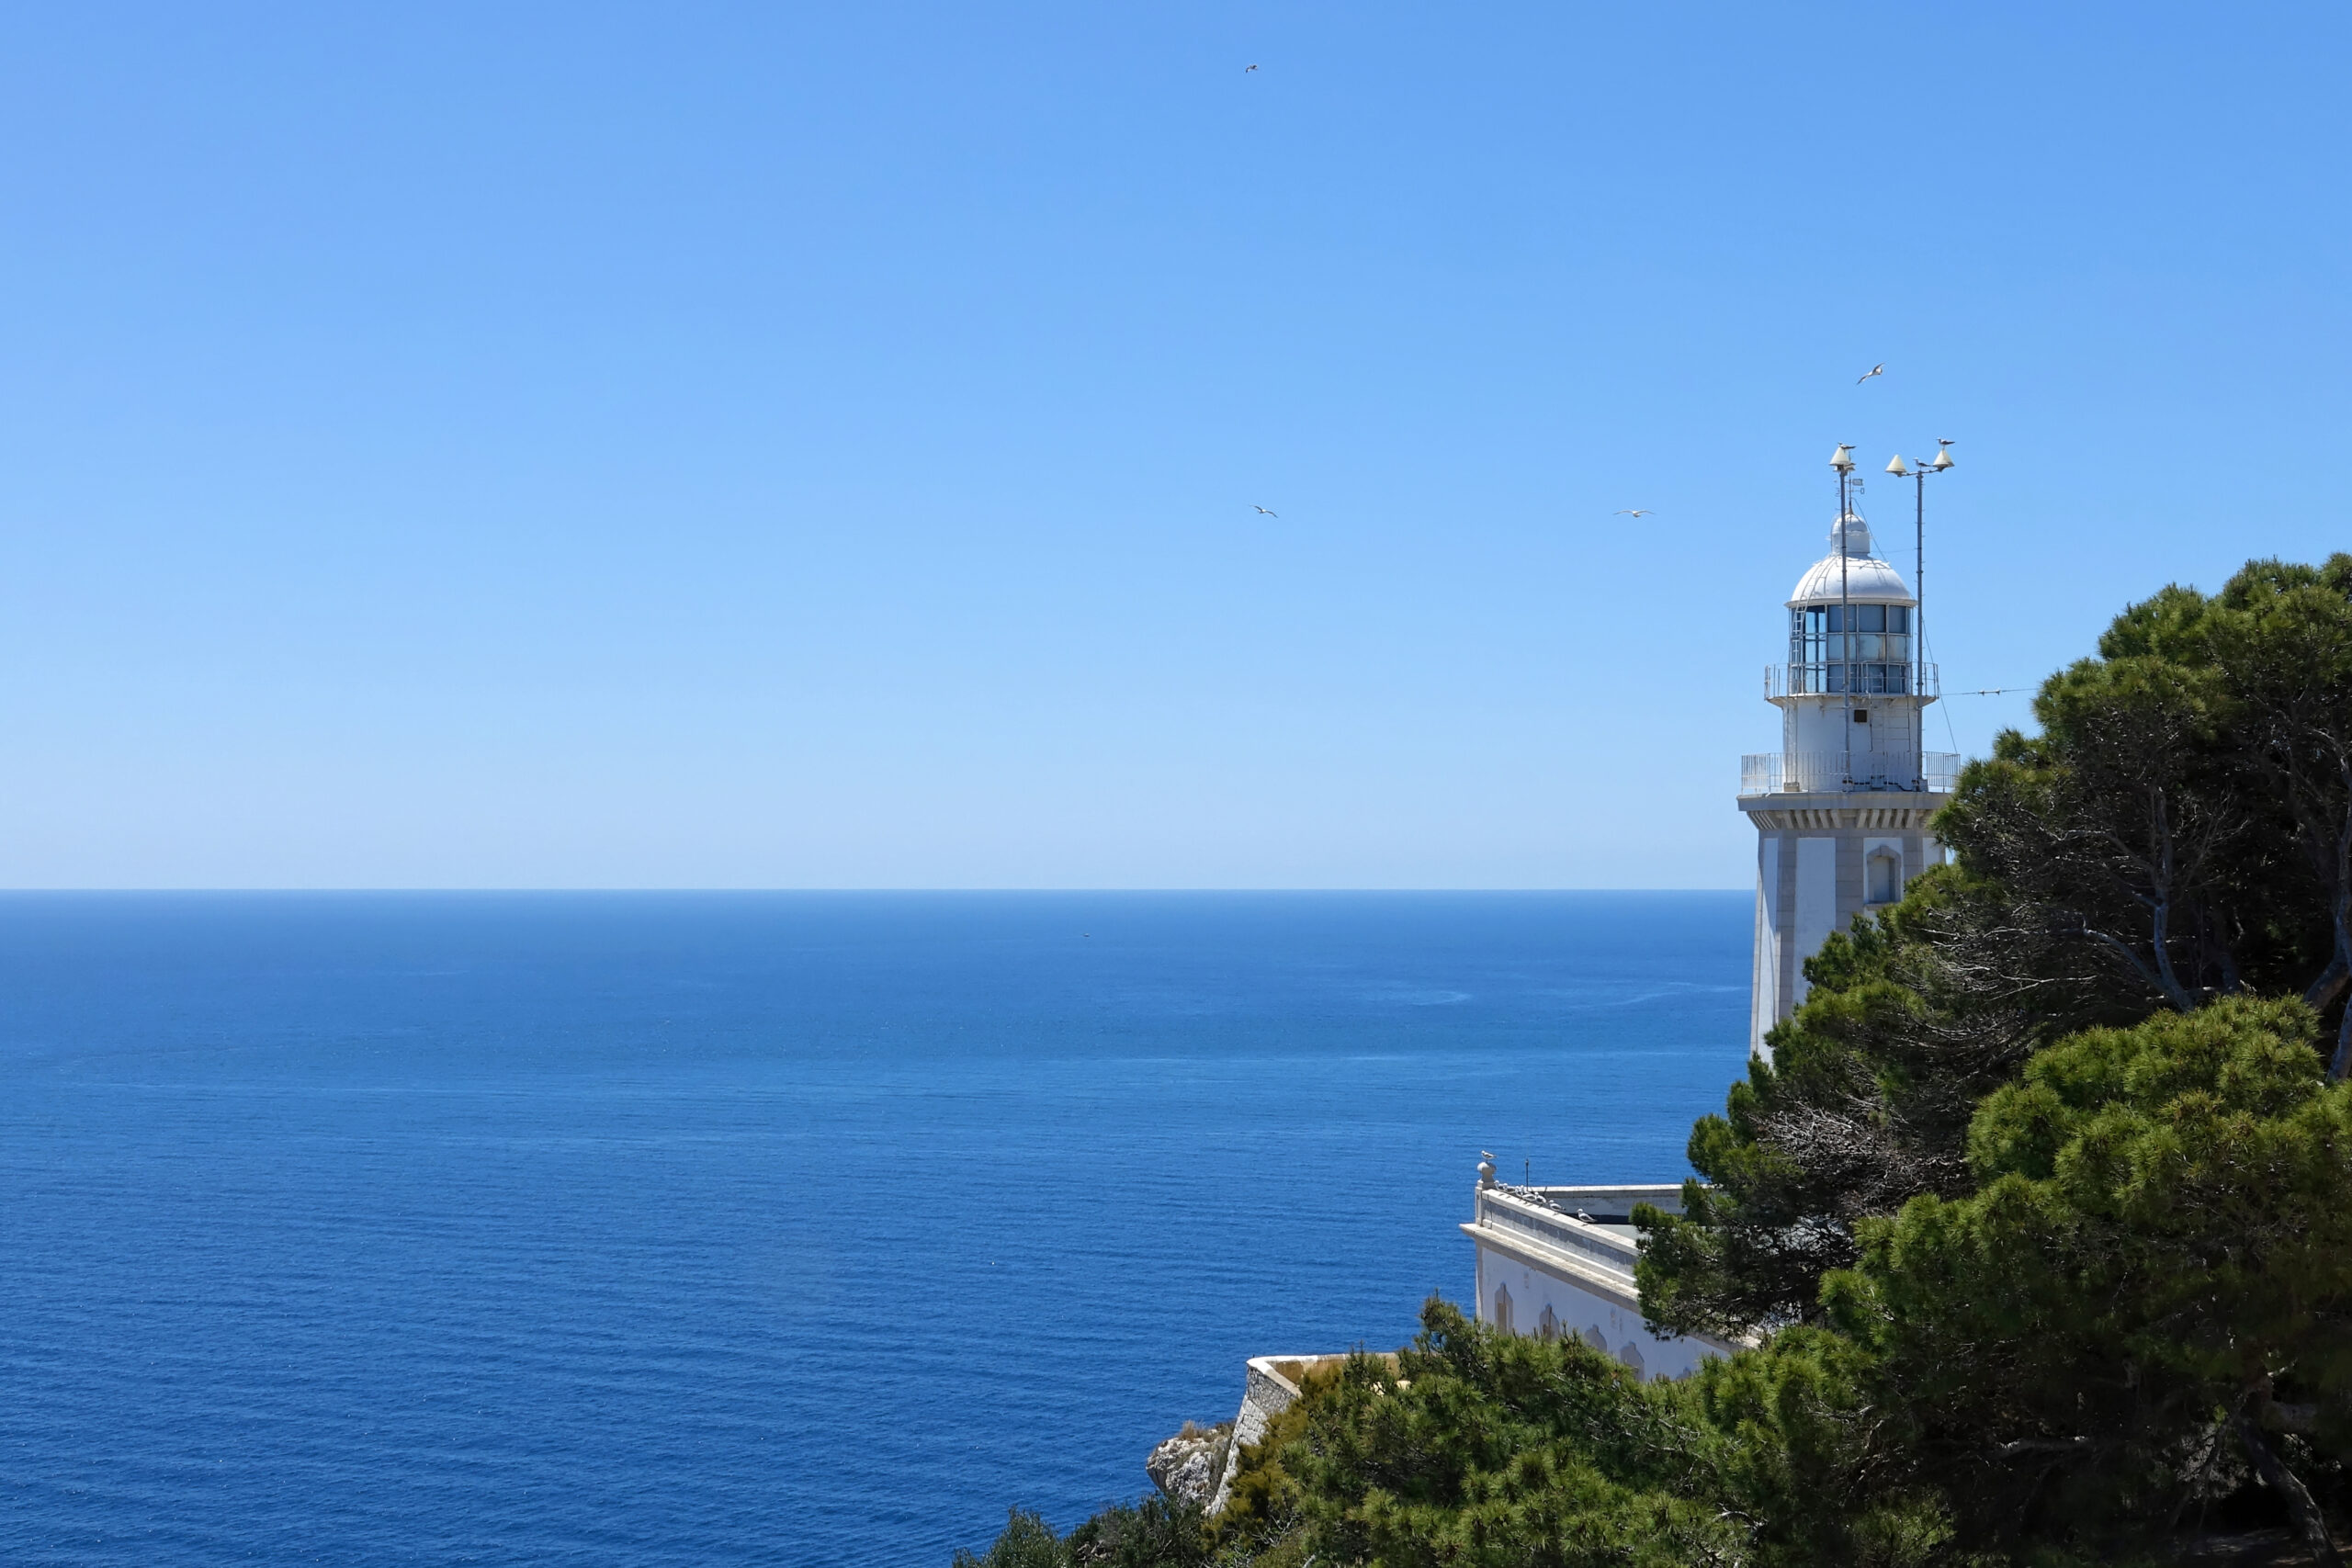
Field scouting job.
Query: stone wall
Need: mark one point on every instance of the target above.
(1269, 1387)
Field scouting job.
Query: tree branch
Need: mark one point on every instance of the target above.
(2291, 1489)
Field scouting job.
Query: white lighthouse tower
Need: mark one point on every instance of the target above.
(1841, 810)
(1841, 814)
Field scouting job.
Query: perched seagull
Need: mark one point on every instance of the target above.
(1943, 441)
(1633, 512)
(1266, 511)
(1873, 370)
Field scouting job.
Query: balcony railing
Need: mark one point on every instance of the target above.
(1836, 772)
(1868, 679)
(1525, 1212)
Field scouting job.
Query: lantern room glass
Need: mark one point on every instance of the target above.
(1862, 648)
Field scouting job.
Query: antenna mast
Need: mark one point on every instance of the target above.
(1843, 461)
(1918, 477)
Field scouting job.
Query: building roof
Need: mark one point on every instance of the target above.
(1867, 579)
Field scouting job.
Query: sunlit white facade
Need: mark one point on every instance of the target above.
(1841, 814)
(1841, 810)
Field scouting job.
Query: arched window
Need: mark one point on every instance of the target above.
(1502, 1308)
(1548, 1325)
(1632, 1355)
(1594, 1337)
(1884, 882)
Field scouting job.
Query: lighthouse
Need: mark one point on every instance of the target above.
(1841, 810)
(1841, 814)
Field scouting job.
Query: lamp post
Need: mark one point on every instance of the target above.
(1941, 462)
(1842, 460)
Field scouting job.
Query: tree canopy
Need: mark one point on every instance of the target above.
(2179, 830)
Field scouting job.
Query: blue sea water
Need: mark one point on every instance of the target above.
(714, 1229)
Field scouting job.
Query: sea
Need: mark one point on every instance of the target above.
(720, 1229)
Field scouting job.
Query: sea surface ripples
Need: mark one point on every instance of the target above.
(717, 1229)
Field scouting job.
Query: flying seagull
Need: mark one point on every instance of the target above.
(1246, 69)
(1267, 511)
(1633, 512)
(1873, 370)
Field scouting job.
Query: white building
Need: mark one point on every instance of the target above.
(1841, 814)
(1557, 1260)
(1841, 810)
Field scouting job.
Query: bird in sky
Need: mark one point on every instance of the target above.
(1246, 69)
(1873, 370)
(1265, 511)
(1633, 512)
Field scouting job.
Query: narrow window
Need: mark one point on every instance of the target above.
(1502, 1308)
(1885, 877)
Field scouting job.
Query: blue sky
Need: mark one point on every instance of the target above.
(793, 446)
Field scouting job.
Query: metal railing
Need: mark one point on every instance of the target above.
(1837, 773)
(1870, 678)
(1509, 1212)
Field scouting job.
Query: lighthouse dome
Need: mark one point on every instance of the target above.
(1851, 571)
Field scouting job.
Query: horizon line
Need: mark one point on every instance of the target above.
(519, 888)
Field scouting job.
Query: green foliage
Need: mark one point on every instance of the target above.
(1150, 1533)
(2177, 829)
(1028, 1541)
(1154, 1533)
(2163, 1245)
(1482, 1448)
(1262, 1505)
(2180, 830)
(2146, 1290)
(1865, 1102)
(1474, 1447)
(2281, 635)
(2032, 1148)
(2121, 839)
